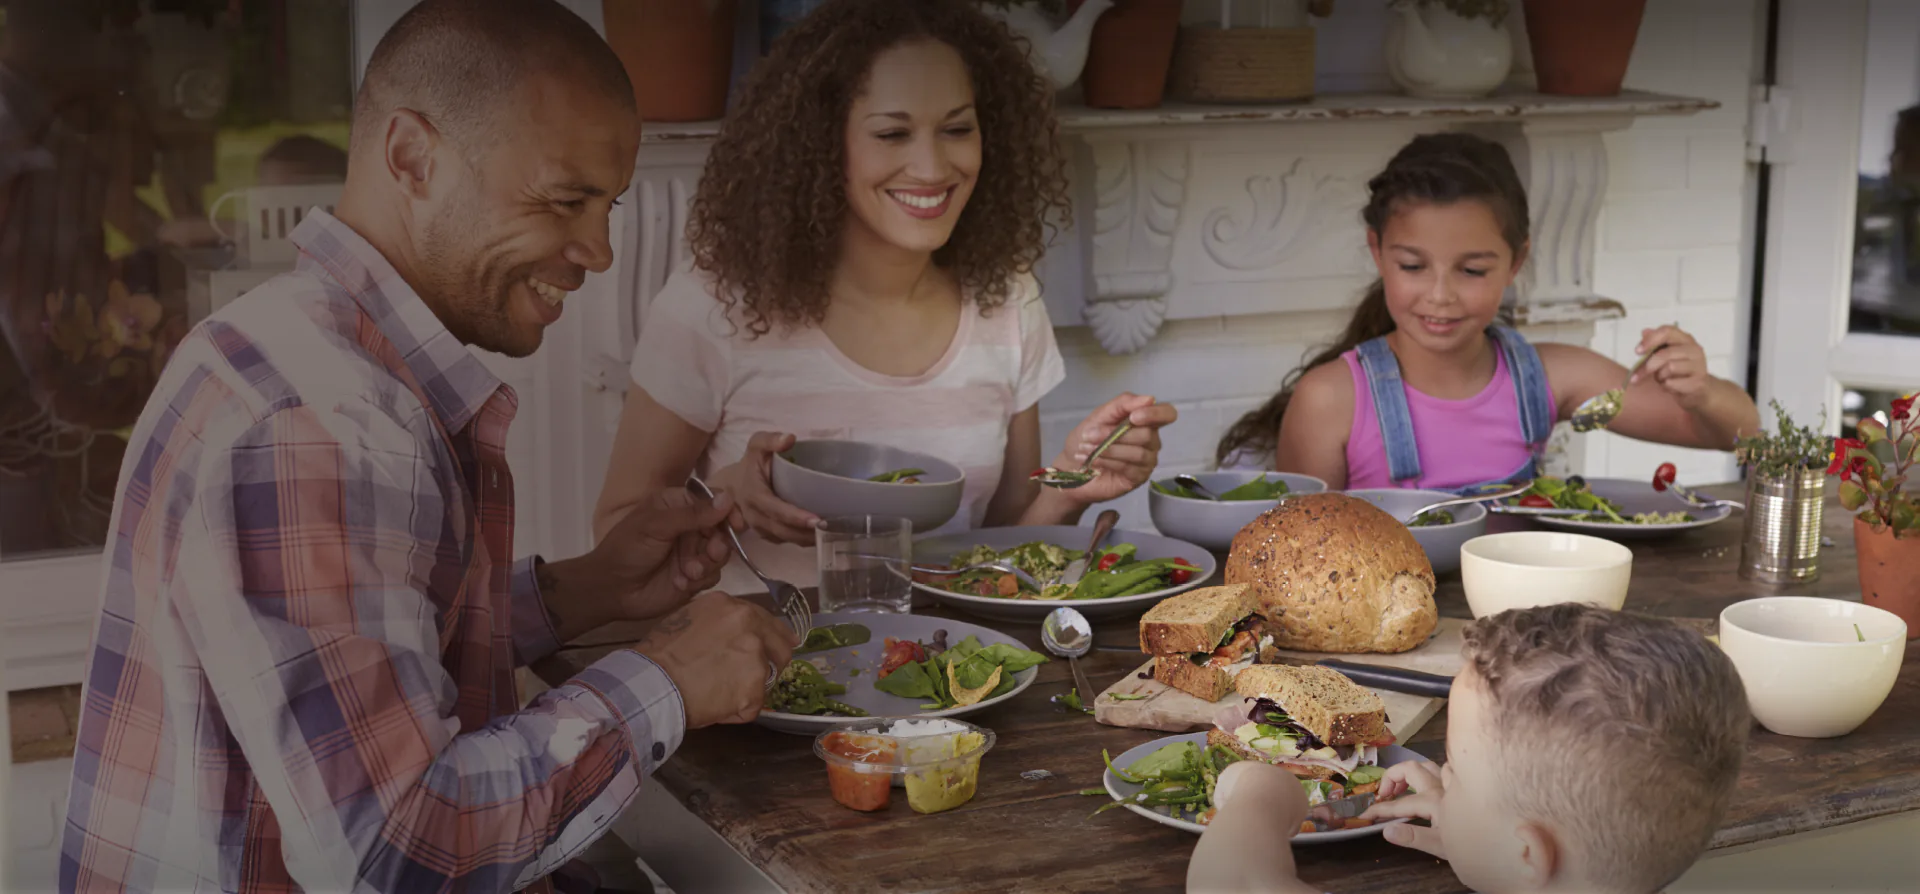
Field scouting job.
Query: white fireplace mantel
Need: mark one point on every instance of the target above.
(1189, 211)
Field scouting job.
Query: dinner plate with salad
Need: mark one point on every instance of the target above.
(878, 664)
(1169, 767)
(1615, 507)
(1132, 571)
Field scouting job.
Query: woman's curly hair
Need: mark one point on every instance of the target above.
(766, 221)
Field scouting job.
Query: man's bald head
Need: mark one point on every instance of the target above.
(458, 63)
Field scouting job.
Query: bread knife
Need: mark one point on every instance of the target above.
(1392, 679)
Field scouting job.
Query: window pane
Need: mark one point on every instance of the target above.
(1886, 253)
(152, 157)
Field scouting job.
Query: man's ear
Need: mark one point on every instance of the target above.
(410, 141)
(1538, 854)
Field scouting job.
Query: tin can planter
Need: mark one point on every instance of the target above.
(1889, 572)
(1782, 540)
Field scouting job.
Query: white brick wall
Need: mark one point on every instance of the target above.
(1671, 249)
(1674, 230)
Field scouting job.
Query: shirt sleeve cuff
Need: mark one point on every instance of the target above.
(645, 700)
(533, 635)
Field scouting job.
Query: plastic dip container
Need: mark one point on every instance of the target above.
(937, 760)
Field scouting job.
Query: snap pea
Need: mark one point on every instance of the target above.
(1123, 578)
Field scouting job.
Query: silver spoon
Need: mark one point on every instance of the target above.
(1067, 633)
(1486, 497)
(1068, 479)
(1193, 484)
(1599, 411)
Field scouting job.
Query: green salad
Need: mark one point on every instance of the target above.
(1432, 517)
(1574, 493)
(980, 673)
(1117, 572)
(1258, 489)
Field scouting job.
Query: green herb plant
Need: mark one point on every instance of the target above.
(1788, 449)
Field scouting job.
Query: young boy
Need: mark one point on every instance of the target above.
(1587, 750)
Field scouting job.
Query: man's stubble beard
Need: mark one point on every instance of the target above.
(471, 299)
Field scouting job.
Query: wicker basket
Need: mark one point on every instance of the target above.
(1229, 65)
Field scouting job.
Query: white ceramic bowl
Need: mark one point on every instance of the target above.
(1442, 542)
(1524, 569)
(1212, 524)
(1807, 672)
(829, 479)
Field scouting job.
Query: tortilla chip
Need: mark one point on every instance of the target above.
(963, 696)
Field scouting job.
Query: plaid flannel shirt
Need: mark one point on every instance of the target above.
(303, 675)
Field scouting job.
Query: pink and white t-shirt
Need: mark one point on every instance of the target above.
(708, 369)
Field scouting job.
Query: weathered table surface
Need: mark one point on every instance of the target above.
(765, 792)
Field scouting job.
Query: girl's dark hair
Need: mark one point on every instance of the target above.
(1435, 168)
(766, 221)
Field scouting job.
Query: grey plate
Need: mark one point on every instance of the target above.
(1121, 790)
(1635, 496)
(941, 550)
(842, 662)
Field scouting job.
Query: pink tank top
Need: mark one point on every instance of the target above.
(1461, 442)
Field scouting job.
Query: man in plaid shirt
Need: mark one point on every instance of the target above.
(303, 676)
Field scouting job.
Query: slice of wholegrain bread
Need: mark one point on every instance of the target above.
(1338, 710)
(1205, 683)
(1195, 620)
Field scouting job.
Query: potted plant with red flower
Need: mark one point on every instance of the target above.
(1874, 469)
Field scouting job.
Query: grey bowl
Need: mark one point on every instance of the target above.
(1442, 542)
(1212, 524)
(829, 478)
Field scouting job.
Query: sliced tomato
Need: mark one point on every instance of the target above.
(1181, 573)
(899, 652)
(1536, 501)
(1663, 476)
(1109, 560)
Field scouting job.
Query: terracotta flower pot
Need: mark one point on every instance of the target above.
(678, 53)
(1131, 51)
(1581, 47)
(1890, 572)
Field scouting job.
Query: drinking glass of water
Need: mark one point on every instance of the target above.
(864, 564)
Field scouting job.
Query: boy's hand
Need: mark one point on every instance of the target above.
(1245, 847)
(1680, 367)
(1422, 778)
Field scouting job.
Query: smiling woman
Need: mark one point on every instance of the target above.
(862, 243)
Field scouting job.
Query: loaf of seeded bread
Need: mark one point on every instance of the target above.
(1334, 573)
(1195, 620)
(1338, 710)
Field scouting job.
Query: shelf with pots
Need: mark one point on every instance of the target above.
(1190, 210)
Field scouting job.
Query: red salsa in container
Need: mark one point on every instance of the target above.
(863, 778)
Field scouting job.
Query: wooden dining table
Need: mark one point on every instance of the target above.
(764, 793)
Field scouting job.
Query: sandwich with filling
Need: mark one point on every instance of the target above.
(1201, 639)
(1311, 720)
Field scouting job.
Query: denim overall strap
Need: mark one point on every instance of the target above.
(1530, 385)
(1390, 408)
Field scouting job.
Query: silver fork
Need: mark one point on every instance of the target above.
(788, 597)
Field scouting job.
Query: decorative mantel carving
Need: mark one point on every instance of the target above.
(1172, 234)
(1139, 189)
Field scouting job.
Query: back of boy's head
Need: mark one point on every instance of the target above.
(1433, 168)
(1623, 734)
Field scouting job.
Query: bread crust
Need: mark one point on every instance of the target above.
(1334, 573)
(1194, 621)
(1325, 702)
(1209, 684)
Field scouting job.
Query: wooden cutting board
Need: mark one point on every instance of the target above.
(1170, 710)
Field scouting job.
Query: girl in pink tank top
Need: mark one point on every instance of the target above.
(1447, 227)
